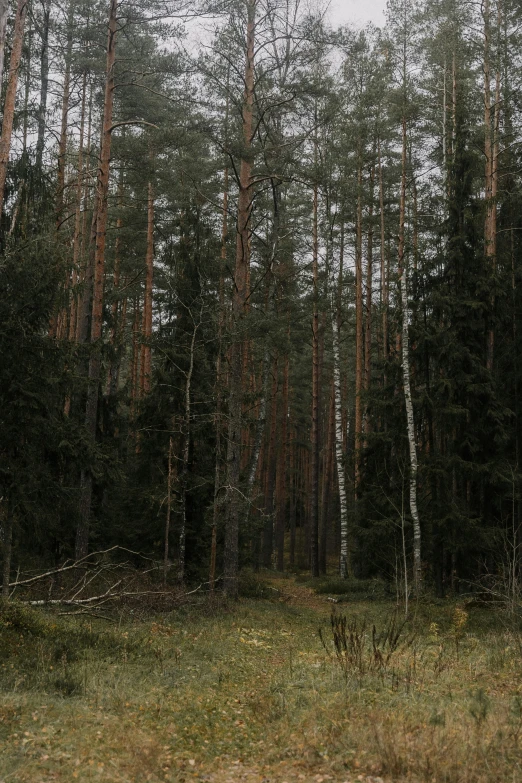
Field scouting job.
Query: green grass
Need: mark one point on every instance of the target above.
(250, 692)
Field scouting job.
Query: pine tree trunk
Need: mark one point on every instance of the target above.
(113, 375)
(490, 234)
(281, 485)
(403, 275)
(239, 304)
(359, 340)
(368, 323)
(7, 551)
(44, 84)
(271, 468)
(166, 539)
(62, 146)
(10, 98)
(219, 372)
(4, 13)
(91, 412)
(315, 447)
(186, 451)
(146, 361)
(384, 270)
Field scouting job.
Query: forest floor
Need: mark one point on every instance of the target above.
(250, 694)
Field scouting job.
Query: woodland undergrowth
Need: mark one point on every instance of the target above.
(253, 691)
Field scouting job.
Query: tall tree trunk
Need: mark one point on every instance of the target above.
(62, 146)
(315, 446)
(271, 468)
(166, 541)
(91, 412)
(368, 323)
(186, 450)
(336, 316)
(7, 524)
(403, 275)
(10, 98)
(281, 485)
(113, 375)
(146, 361)
(219, 371)
(44, 84)
(239, 304)
(326, 489)
(384, 270)
(4, 13)
(490, 229)
(359, 339)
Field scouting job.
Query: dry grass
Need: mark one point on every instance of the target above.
(250, 694)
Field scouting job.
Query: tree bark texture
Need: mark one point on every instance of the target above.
(403, 276)
(315, 447)
(10, 98)
(146, 350)
(239, 305)
(91, 411)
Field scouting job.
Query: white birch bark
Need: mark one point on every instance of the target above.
(344, 560)
(417, 572)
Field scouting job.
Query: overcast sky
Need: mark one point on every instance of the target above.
(357, 11)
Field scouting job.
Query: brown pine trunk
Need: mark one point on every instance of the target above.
(116, 325)
(219, 373)
(239, 304)
(281, 485)
(368, 324)
(166, 543)
(146, 361)
(490, 178)
(62, 146)
(91, 412)
(10, 98)
(384, 269)
(293, 497)
(4, 13)
(271, 469)
(135, 364)
(315, 448)
(44, 83)
(7, 553)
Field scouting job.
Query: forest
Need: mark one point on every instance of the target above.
(260, 375)
(260, 290)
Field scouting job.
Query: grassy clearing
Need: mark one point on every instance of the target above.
(250, 693)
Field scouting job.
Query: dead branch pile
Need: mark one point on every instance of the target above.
(100, 581)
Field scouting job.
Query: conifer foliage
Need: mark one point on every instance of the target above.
(259, 289)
